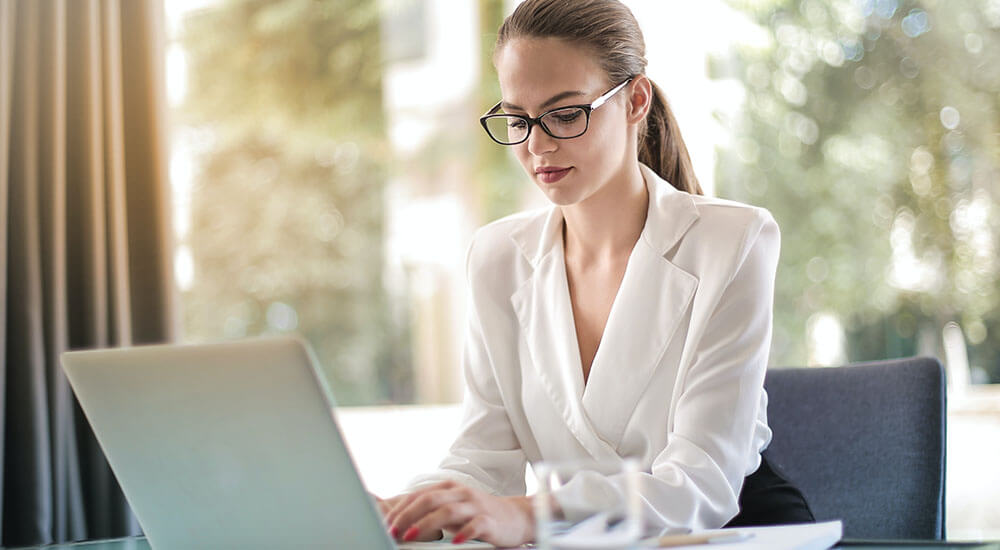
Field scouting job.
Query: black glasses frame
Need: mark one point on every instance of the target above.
(531, 122)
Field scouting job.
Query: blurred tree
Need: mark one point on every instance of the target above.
(503, 179)
(287, 206)
(871, 130)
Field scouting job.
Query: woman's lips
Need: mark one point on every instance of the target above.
(547, 175)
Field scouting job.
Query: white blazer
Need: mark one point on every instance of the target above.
(677, 381)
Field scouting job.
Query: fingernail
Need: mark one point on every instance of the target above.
(393, 532)
(411, 534)
(459, 539)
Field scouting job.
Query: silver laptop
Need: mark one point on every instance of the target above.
(231, 445)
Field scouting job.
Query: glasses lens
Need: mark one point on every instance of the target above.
(507, 129)
(566, 123)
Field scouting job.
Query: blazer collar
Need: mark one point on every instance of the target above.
(668, 217)
(671, 212)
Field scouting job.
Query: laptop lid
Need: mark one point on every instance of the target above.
(230, 445)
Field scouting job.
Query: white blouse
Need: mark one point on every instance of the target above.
(677, 381)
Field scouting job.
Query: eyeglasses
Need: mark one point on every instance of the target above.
(562, 123)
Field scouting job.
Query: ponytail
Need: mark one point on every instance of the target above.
(662, 148)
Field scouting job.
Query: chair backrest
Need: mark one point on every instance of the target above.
(864, 443)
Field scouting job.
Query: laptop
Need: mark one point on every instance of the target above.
(229, 445)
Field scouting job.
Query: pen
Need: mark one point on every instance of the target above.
(668, 541)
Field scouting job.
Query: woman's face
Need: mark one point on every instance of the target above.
(541, 74)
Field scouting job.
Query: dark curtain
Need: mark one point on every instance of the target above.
(85, 258)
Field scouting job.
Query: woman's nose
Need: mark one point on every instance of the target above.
(540, 142)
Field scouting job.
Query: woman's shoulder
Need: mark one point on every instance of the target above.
(722, 234)
(701, 221)
(495, 244)
(725, 218)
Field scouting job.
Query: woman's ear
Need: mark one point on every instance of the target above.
(640, 97)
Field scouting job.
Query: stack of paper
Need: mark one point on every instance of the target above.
(805, 536)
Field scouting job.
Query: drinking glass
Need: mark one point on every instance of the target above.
(575, 509)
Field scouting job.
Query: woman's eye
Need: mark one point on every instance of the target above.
(569, 117)
(516, 123)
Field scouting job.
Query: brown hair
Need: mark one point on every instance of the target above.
(610, 31)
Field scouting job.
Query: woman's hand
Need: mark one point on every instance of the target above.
(386, 505)
(469, 513)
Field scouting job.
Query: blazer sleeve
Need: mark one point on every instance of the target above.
(715, 436)
(486, 454)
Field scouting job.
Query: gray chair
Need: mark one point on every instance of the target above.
(864, 443)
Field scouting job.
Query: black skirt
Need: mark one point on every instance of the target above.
(768, 498)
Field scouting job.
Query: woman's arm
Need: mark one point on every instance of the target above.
(484, 468)
(486, 454)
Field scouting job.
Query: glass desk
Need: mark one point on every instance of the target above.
(127, 543)
(140, 543)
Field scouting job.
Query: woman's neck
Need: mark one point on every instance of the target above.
(605, 226)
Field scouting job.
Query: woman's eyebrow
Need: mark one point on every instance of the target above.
(558, 97)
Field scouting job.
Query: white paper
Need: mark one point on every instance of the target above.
(592, 533)
(805, 536)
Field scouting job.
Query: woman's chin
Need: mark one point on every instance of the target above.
(560, 193)
(560, 196)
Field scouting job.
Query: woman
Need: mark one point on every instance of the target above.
(633, 318)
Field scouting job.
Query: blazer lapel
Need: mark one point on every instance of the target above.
(651, 303)
(544, 311)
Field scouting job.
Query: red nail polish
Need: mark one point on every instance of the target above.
(411, 534)
(393, 532)
(459, 539)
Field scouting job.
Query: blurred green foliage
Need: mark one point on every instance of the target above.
(503, 178)
(871, 130)
(287, 204)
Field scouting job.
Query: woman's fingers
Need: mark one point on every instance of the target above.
(384, 507)
(407, 513)
(448, 516)
(403, 501)
(502, 521)
(475, 528)
(417, 503)
(415, 535)
(452, 515)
